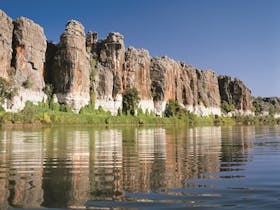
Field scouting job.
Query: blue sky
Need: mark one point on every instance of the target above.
(240, 38)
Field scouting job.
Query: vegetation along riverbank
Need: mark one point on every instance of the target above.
(51, 113)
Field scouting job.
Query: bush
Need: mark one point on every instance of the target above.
(48, 90)
(2, 109)
(54, 106)
(7, 91)
(130, 101)
(226, 107)
(88, 109)
(173, 109)
(65, 108)
(29, 112)
(46, 118)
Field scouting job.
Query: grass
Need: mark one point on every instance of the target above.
(56, 114)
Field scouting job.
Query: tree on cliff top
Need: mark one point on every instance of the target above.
(130, 101)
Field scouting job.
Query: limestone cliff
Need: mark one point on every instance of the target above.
(136, 74)
(86, 70)
(209, 100)
(6, 38)
(196, 90)
(267, 106)
(164, 76)
(236, 93)
(27, 63)
(71, 67)
(109, 57)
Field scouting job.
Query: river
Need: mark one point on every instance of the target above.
(234, 167)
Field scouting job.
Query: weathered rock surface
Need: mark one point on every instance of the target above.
(83, 69)
(6, 34)
(136, 74)
(49, 73)
(92, 43)
(196, 90)
(164, 76)
(236, 93)
(71, 67)
(112, 55)
(29, 48)
(209, 100)
(267, 106)
(29, 45)
(109, 55)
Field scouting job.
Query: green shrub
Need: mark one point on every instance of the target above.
(29, 112)
(174, 109)
(2, 109)
(130, 101)
(88, 109)
(7, 91)
(54, 106)
(92, 98)
(46, 118)
(48, 90)
(226, 107)
(65, 108)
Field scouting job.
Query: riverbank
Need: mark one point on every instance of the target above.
(43, 115)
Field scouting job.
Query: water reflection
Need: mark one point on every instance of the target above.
(66, 166)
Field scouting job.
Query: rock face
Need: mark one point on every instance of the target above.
(164, 76)
(137, 75)
(267, 106)
(71, 67)
(6, 34)
(83, 70)
(109, 56)
(209, 100)
(196, 90)
(49, 73)
(236, 93)
(29, 48)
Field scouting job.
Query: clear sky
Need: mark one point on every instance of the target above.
(240, 38)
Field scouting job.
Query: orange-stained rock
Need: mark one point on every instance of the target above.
(196, 90)
(29, 45)
(164, 75)
(26, 75)
(137, 72)
(71, 67)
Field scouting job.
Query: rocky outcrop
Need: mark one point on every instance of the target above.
(29, 48)
(85, 70)
(6, 34)
(209, 100)
(164, 76)
(109, 58)
(112, 55)
(92, 43)
(71, 67)
(236, 93)
(194, 89)
(136, 74)
(267, 106)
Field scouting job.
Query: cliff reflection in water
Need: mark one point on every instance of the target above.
(64, 167)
